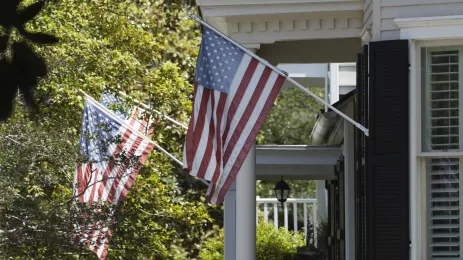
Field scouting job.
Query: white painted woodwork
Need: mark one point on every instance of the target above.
(368, 14)
(246, 208)
(400, 9)
(308, 75)
(264, 7)
(311, 202)
(428, 28)
(347, 75)
(264, 22)
(230, 223)
(285, 214)
(322, 201)
(306, 226)
(334, 83)
(314, 221)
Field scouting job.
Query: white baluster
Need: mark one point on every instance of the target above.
(257, 213)
(285, 207)
(295, 217)
(275, 215)
(305, 220)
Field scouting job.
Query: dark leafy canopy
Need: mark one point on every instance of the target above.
(290, 122)
(292, 118)
(20, 66)
(144, 48)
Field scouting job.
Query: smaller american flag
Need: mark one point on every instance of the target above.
(113, 154)
(232, 97)
(138, 119)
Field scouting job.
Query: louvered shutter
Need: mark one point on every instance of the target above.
(444, 208)
(360, 154)
(388, 152)
(442, 97)
(441, 131)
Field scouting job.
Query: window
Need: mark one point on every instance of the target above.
(442, 72)
(442, 88)
(443, 185)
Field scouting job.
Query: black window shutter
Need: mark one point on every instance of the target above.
(361, 116)
(388, 152)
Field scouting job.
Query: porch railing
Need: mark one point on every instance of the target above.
(308, 209)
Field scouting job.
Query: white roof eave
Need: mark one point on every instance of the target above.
(270, 7)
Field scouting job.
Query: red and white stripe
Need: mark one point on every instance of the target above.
(223, 126)
(108, 182)
(141, 121)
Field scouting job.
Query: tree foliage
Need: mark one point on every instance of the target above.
(143, 48)
(271, 244)
(292, 118)
(290, 122)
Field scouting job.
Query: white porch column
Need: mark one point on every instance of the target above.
(334, 83)
(246, 208)
(349, 185)
(230, 223)
(322, 202)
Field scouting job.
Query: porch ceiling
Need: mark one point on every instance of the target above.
(311, 51)
(297, 162)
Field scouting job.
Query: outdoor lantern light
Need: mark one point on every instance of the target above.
(282, 190)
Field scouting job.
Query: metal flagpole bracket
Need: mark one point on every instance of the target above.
(151, 109)
(281, 72)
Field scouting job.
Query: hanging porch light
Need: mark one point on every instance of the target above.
(282, 190)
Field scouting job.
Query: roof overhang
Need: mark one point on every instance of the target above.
(256, 22)
(265, 7)
(296, 162)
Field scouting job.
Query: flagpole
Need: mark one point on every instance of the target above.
(158, 112)
(281, 72)
(155, 144)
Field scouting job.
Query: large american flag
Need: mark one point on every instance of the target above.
(113, 153)
(233, 94)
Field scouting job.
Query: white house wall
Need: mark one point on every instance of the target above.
(367, 16)
(391, 9)
(347, 75)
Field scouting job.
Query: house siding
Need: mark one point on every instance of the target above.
(368, 14)
(391, 9)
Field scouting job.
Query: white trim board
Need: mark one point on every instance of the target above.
(259, 7)
(418, 40)
(435, 27)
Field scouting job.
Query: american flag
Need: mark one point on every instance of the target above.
(113, 153)
(138, 119)
(233, 94)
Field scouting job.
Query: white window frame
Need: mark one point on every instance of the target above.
(423, 32)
